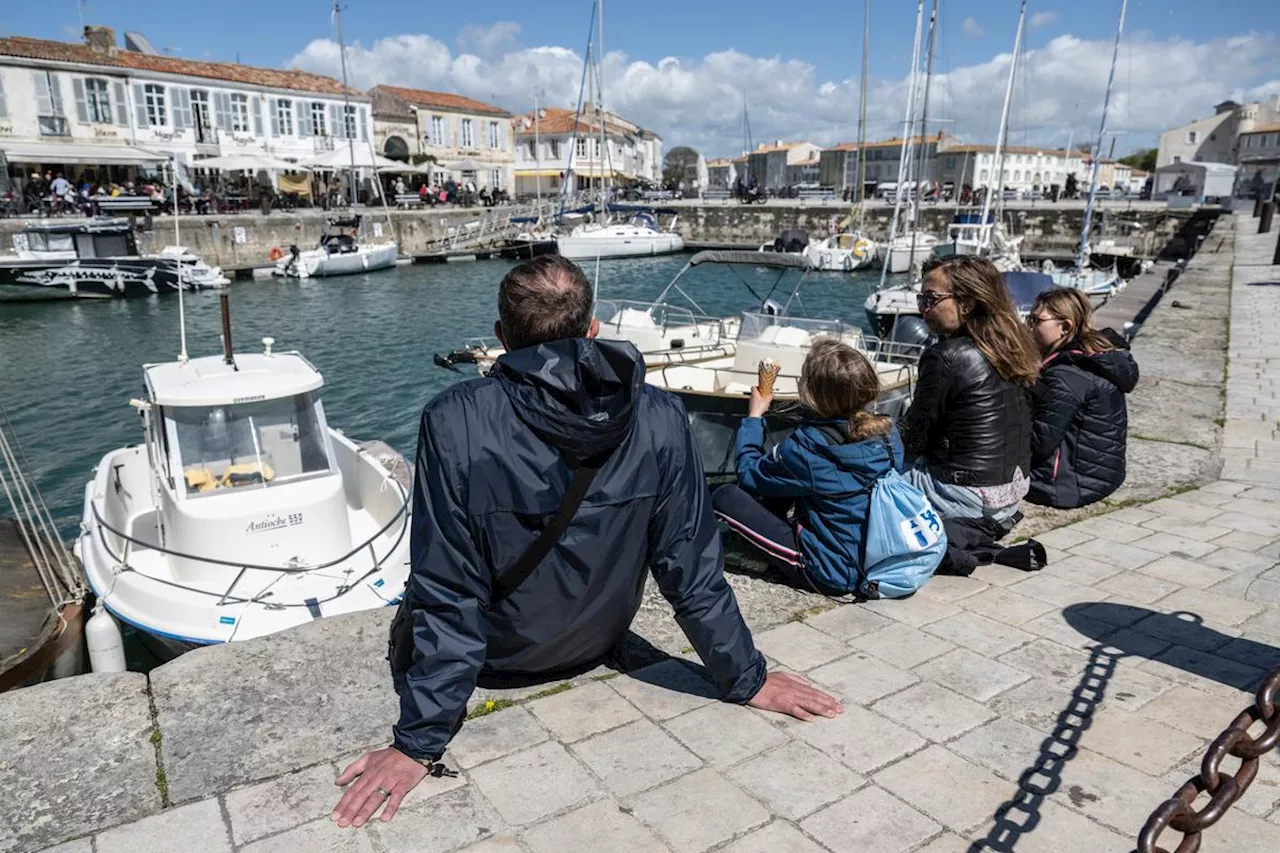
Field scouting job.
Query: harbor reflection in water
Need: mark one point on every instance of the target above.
(70, 368)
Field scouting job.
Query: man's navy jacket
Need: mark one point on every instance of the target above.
(495, 456)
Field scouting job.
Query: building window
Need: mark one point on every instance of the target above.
(317, 120)
(153, 100)
(495, 135)
(468, 137)
(495, 179)
(349, 122)
(530, 151)
(4, 108)
(437, 131)
(97, 101)
(1177, 158)
(555, 149)
(1191, 137)
(284, 117)
(52, 119)
(1017, 174)
(582, 146)
(240, 113)
(985, 176)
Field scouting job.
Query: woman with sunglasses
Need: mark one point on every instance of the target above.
(969, 425)
(1080, 418)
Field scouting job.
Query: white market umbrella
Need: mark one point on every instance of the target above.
(248, 163)
(405, 169)
(702, 173)
(341, 158)
(464, 166)
(733, 174)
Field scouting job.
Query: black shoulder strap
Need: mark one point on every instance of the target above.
(541, 547)
(834, 434)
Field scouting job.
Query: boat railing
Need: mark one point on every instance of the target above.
(664, 315)
(756, 324)
(228, 596)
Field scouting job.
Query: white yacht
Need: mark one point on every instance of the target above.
(907, 251)
(242, 512)
(639, 237)
(341, 251)
(844, 252)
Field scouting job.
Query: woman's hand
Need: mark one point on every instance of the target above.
(759, 404)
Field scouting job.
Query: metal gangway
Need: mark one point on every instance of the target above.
(498, 224)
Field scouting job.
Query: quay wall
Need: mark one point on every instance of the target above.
(238, 241)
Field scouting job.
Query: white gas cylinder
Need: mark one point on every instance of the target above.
(106, 645)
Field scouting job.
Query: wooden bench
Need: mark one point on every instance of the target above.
(819, 194)
(407, 200)
(717, 194)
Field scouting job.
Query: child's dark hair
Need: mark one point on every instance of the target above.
(837, 381)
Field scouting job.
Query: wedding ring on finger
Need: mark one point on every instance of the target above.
(384, 792)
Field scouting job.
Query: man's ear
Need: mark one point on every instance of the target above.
(594, 328)
(497, 333)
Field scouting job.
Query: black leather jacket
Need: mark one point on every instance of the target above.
(970, 426)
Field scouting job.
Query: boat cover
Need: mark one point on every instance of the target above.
(1024, 287)
(747, 257)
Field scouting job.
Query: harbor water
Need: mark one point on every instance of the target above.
(69, 369)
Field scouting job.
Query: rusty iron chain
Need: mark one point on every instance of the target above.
(1223, 788)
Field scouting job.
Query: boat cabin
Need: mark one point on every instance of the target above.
(99, 238)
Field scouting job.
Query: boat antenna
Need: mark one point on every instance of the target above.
(862, 114)
(1097, 149)
(924, 135)
(228, 354)
(903, 157)
(1003, 135)
(346, 100)
(177, 245)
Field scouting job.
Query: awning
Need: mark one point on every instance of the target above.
(88, 155)
(536, 173)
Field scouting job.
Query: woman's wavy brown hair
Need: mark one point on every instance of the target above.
(989, 318)
(1072, 307)
(837, 381)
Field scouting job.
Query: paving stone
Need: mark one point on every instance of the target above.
(1210, 673)
(1239, 831)
(1263, 795)
(951, 587)
(1113, 529)
(998, 575)
(1116, 553)
(1250, 653)
(946, 843)
(1266, 510)
(494, 736)
(795, 780)
(1109, 792)
(1133, 515)
(724, 734)
(583, 830)
(1185, 572)
(698, 811)
(859, 739)
(902, 645)
(1070, 627)
(316, 836)
(1084, 571)
(1133, 644)
(665, 690)
(944, 786)
(970, 674)
(1116, 611)
(1241, 562)
(281, 803)
(1205, 532)
(1007, 606)
(1224, 487)
(915, 611)
(1142, 743)
(1183, 509)
(1065, 538)
(443, 823)
(1047, 659)
(870, 819)
(1193, 711)
(503, 843)
(641, 755)
(1202, 498)
(82, 741)
(1249, 524)
(1037, 703)
(1058, 591)
(1178, 546)
(797, 646)
(1054, 824)
(1241, 541)
(81, 845)
(194, 828)
(861, 678)
(1130, 688)
(583, 711)
(777, 837)
(982, 635)
(934, 712)
(1244, 587)
(1006, 746)
(528, 786)
(1135, 586)
(848, 621)
(1179, 629)
(1216, 609)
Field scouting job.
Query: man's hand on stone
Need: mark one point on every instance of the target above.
(382, 776)
(791, 694)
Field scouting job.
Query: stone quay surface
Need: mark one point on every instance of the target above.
(1048, 711)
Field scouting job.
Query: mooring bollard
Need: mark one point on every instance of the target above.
(1264, 221)
(1275, 259)
(1257, 206)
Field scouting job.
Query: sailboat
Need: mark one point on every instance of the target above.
(851, 249)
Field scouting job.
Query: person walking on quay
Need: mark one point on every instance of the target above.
(1080, 419)
(544, 494)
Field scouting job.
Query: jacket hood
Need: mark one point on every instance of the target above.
(1117, 366)
(578, 395)
(849, 467)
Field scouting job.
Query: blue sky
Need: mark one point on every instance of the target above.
(819, 46)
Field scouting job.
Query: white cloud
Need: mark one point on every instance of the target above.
(1042, 19)
(698, 101)
(972, 28)
(489, 41)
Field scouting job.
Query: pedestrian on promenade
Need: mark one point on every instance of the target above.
(968, 430)
(824, 472)
(1080, 417)
(544, 494)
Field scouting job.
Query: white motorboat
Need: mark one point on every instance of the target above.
(242, 513)
(907, 251)
(639, 237)
(341, 251)
(844, 252)
(1103, 283)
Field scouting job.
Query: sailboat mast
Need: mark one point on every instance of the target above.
(924, 138)
(600, 155)
(177, 243)
(346, 98)
(860, 189)
(1097, 149)
(907, 121)
(1004, 131)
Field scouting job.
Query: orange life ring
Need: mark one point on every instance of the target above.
(276, 253)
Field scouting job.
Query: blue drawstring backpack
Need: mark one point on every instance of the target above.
(905, 540)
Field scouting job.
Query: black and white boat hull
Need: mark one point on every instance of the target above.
(96, 278)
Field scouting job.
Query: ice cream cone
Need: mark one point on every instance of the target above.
(766, 374)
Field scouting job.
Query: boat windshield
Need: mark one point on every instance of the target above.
(43, 241)
(249, 445)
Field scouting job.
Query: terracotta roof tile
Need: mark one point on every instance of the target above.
(443, 101)
(57, 51)
(561, 121)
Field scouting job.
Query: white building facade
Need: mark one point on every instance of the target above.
(1025, 169)
(555, 140)
(1218, 138)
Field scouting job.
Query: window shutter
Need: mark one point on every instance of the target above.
(44, 102)
(82, 105)
(363, 118)
(222, 110)
(175, 106)
(140, 105)
(335, 122)
(55, 94)
(122, 106)
(255, 104)
(4, 108)
(188, 115)
(302, 118)
(273, 107)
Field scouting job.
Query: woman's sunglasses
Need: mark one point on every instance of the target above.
(927, 299)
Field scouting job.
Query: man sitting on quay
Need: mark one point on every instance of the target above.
(544, 494)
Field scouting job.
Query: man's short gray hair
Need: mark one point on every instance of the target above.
(542, 300)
